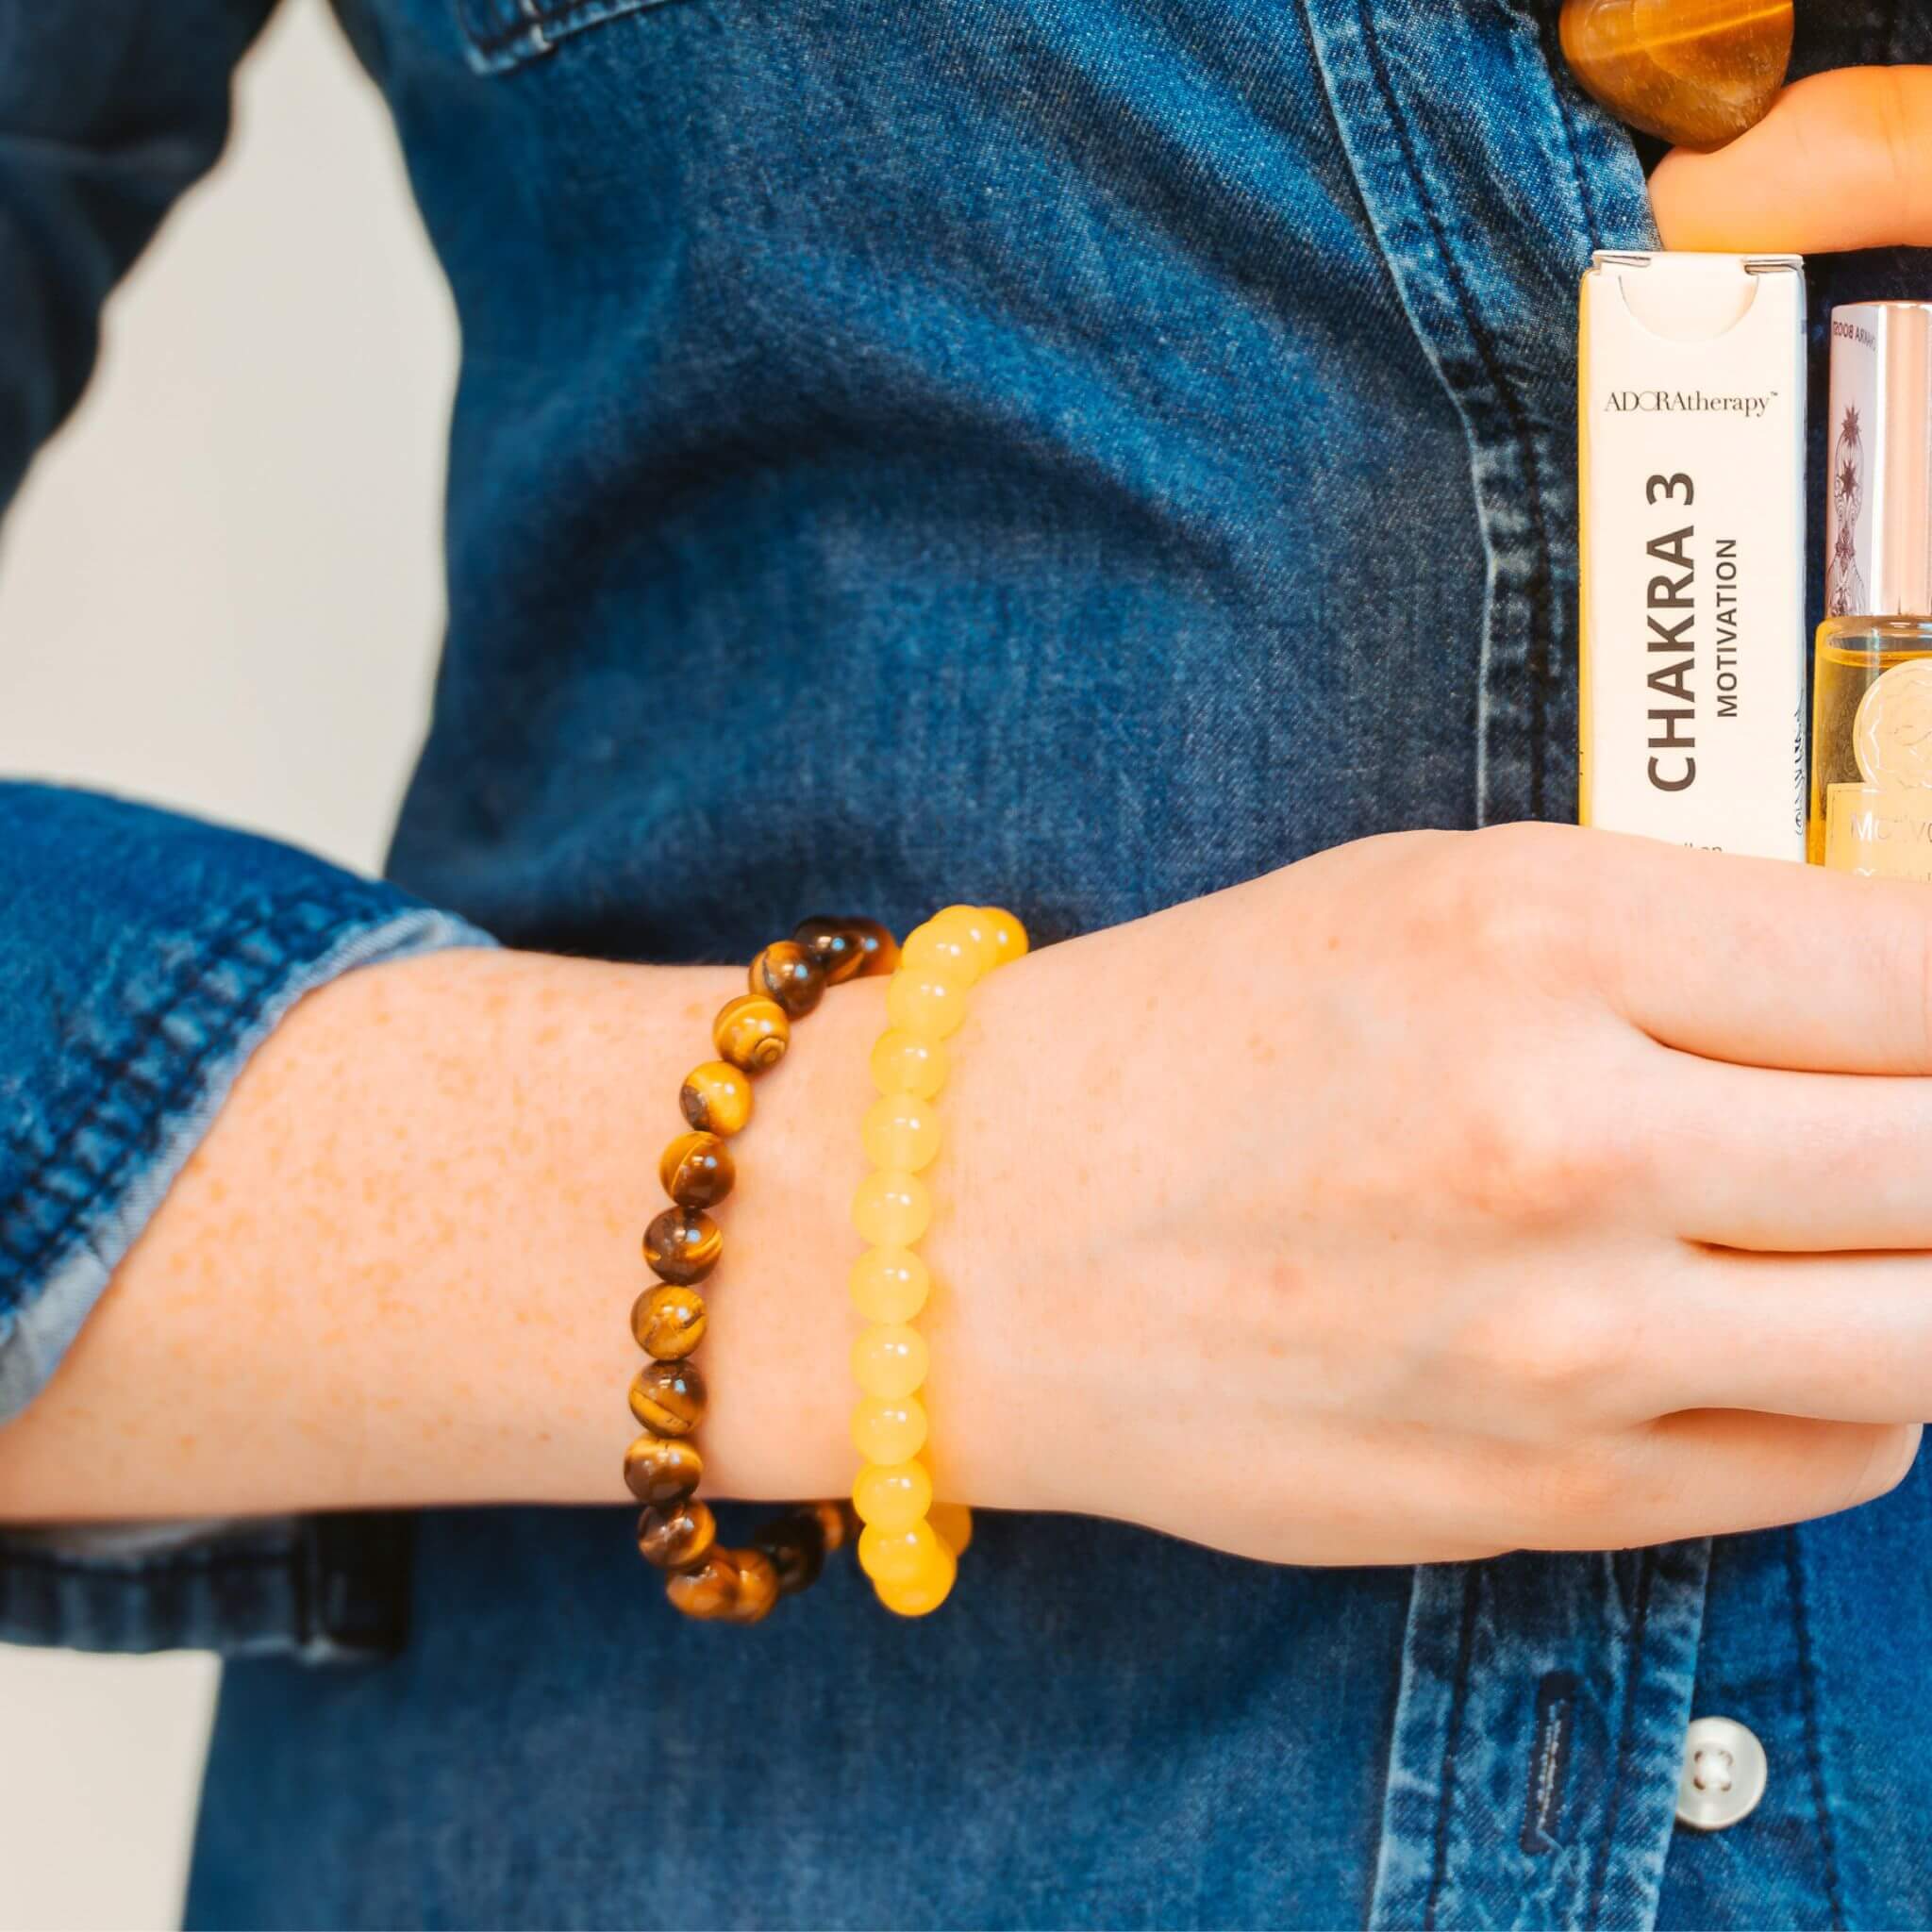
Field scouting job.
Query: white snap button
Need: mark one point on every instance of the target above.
(1723, 1775)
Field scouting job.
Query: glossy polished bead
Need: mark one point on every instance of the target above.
(658, 1469)
(716, 1098)
(1695, 71)
(787, 972)
(891, 1209)
(752, 1032)
(669, 1398)
(952, 1522)
(835, 1521)
(889, 1429)
(682, 1244)
(1009, 941)
(897, 1556)
(910, 1063)
(901, 1131)
(709, 1591)
(890, 1361)
(892, 1495)
(950, 944)
(889, 1284)
(848, 948)
(757, 1587)
(697, 1169)
(928, 999)
(668, 1322)
(677, 1536)
(796, 1546)
(924, 1590)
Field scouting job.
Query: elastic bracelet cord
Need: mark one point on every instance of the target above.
(662, 1468)
(911, 1544)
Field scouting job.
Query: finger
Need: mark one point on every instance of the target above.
(1762, 962)
(1786, 1163)
(1716, 1473)
(1843, 1338)
(1840, 161)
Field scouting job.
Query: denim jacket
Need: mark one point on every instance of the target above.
(1080, 452)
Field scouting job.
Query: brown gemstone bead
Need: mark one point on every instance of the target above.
(658, 1469)
(669, 1398)
(669, 1321)
(757, 1587)
(848, 948)
(787, 972)
(708, 1589)
(837, 1523)
(716, 1098)
(697, 1169)
(797, 1545)
(677, 1536)
(1694, 72)
(682, 1244)
(752, 1032)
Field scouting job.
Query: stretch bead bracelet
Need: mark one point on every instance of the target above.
(910, 1545)
(662, 1468)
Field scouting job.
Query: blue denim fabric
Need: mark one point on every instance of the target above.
(1077, 452)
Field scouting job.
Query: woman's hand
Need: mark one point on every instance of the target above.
(1843, 161)
(1446, 1194)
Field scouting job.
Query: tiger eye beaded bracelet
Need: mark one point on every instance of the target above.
(662, 1468)
(911, 1544)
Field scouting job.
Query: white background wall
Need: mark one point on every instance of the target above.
(221, 590)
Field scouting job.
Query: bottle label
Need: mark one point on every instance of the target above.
(1882, 829)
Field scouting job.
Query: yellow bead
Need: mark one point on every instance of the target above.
(924, 1590)
(956, 937)
(890, 1360)
(906, 1062)
(890, 1209)
(890, 1284)
(893, 1496)
(900, 1131)
(1008, 935)
(928, 999)
(952, 1522)
(886, 1430)
(897, 1556)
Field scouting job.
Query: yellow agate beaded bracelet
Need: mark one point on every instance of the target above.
(911, 1544)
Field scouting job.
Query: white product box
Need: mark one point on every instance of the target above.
(1690, 412)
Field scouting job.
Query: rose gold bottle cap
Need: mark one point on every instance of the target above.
(1878, 527)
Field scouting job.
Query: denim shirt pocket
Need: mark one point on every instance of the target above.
(502, 35)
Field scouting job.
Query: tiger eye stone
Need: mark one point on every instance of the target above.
(716, 1098)
(757, 1587)
(677, 1536)
(1697, 73)
(658, 1469)
(669, 1398)
(708, 1589)
(697, 1169)
(669, 1321)
(847, 948)
(682, 1244)
(787, 972)
(837, 1523)
(752, 1032)
(796, 1546)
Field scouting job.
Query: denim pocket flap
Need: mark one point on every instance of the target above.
(503, 34)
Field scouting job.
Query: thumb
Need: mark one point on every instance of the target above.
(1842, 160)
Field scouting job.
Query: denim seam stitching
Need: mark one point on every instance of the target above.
(1452, 1745)
(257, 980)
(1808, 1708)
(1633, 1677)
(1537, 587)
